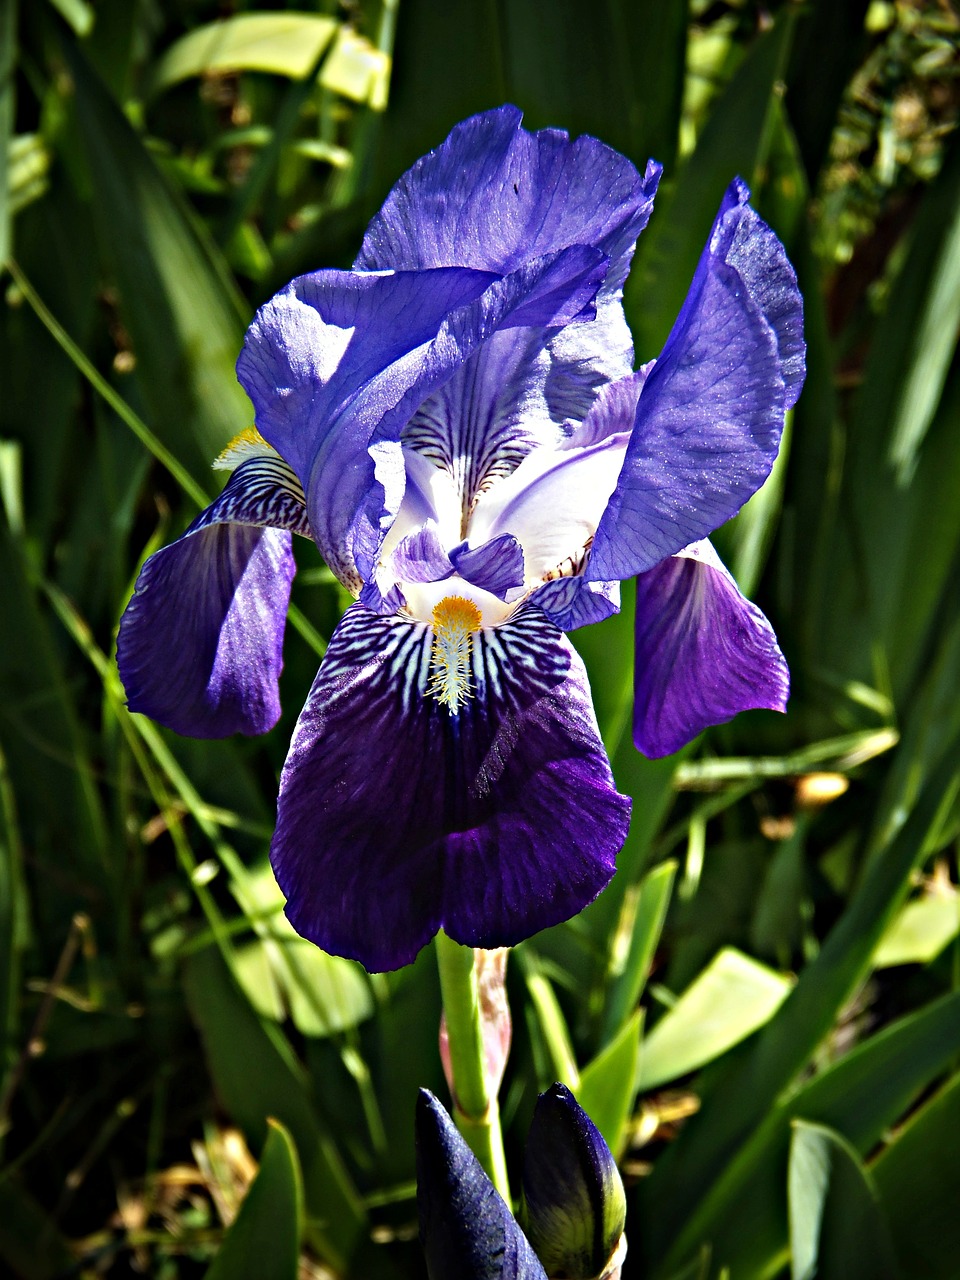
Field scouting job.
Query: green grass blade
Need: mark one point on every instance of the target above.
(728, 1001)
(8, 62)
(862, 1096)
(633, 945)
(177, 299)
(254, 1082)
(917, 1179)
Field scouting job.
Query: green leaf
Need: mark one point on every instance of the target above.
(684, 1201)
(914, 345)
(920, 932)
(735, 140)
(862, 1096)
(285, 44)
(837, 1231)
(30, 1241)
(8, 62)
(78, 13)
(176, 296)
(731, 998)
(263, 1242)
(634, 943)
(256, 1076)
(917, 1179)
(280, 971)
(608, 1084)
(560, 1063)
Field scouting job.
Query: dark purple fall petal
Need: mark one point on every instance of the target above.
(710, 415)
(466, 1229)
(703, 653)
(397, 817)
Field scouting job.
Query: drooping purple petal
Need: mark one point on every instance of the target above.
(703, 652)
(495, 566)
(398, 817)
(200, 647)
(201, 641)
(493, 196)
(466, 1229)
(337, 363)
(710, 415)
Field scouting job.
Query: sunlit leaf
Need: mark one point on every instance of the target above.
(730, 999)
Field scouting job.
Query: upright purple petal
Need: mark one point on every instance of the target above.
(710, 415)
(398, 817)
(703, 652)
(493, 196)
(200, 647)
(337, 363)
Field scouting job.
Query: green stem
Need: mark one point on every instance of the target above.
(476, 1112)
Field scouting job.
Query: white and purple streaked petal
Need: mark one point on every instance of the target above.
(493, 196)
(576, 602)
(553, 502)
(703, 652)
(398, 817)
(495, 566)
(710, 415)
(200, 647)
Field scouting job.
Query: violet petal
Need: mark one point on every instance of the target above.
(710, 415)
(398, 817)
(703, 652)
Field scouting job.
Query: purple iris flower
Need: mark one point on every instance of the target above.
(457, 424)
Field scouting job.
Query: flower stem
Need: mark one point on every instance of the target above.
(476, 1110)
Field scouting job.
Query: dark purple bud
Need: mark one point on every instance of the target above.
(466, 1229)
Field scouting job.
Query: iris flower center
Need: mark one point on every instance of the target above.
(455, 622)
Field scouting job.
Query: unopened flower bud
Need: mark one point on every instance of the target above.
(574, 1208)
(466, 1229)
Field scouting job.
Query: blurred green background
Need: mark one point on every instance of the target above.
(763, 1011)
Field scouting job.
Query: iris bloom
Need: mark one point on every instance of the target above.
(457, 424)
